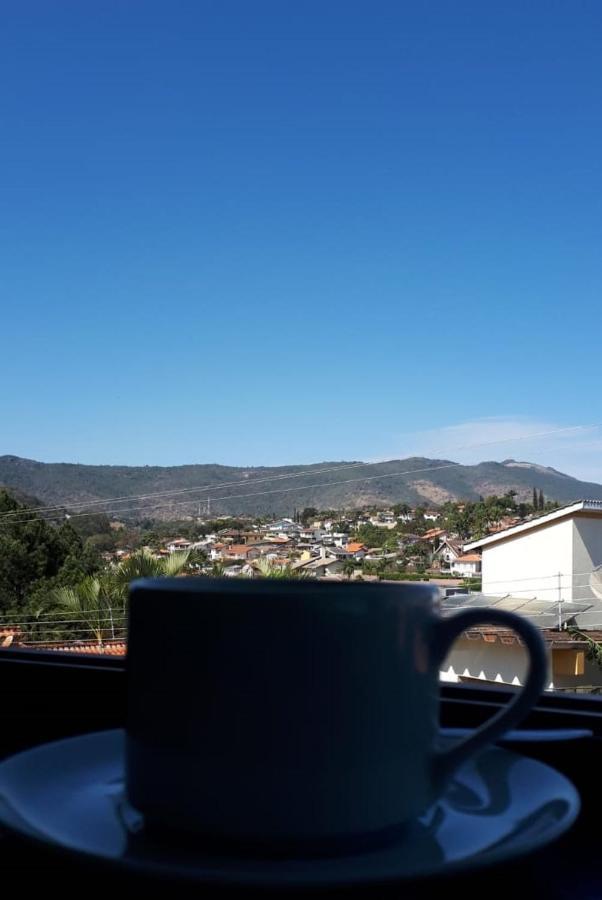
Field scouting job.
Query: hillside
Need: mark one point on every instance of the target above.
(262, 491)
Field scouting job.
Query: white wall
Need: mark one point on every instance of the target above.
(465, 568)
(506, 664)
(519, 565)
(491, 662)
(587, 554)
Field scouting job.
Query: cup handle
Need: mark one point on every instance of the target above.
(447, 761)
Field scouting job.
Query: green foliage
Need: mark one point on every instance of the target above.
(54, 483)
(419, 523)
(34, 552)
(403, 576)
(93, 523)
(349, 567)
(593, 649)
(472, 519)
(473, 584)
(97, 605)
(372, 536)
(266, 569)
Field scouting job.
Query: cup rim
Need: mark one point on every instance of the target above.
(273, 587)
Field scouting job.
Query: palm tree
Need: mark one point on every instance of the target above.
(100, 602)
(90, 605)
(267, 569)
(143, 564)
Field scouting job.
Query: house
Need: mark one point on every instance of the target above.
(551, 557)
(340, 553)
(240, 552)
(334, 539)
(284, 526)
(216, 551)
(357, 550)
(309, 535)
(179, 544)
(434, 535)
(448, 551)
(321, 566)
(389, 522)
(466, 566)
(494, 654)
(377, 554)
(235, 535)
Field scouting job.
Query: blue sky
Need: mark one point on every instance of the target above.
(260, 233)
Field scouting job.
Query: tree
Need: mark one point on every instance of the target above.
(267, 569)
(99, 604)
(34, 552)
(91, 603)
(349, 568)
(143, 564)
(535, 500)
(309, 514)
(541, 500)
(419, 522)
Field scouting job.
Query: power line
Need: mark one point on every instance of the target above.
(156, 506)
(117, 616)
(202, 487)
(284, 476)
(75, 643)
(543, 577)
(54, 618)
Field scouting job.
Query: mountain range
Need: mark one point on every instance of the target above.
(279, 490)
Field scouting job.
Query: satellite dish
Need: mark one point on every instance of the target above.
(595, 582)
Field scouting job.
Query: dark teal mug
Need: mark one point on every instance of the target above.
(273, 710)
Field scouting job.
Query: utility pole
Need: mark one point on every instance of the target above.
(559, 603)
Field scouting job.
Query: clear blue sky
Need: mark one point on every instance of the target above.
(267, 232)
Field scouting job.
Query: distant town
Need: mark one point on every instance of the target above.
(64, 579)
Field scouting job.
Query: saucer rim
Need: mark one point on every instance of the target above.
(471, 863)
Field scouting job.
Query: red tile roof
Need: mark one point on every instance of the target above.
(110, 648)
(239, 550)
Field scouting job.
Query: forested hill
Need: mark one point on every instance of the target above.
(265, 490)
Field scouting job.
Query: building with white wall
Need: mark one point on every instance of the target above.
(549, 558)
(466, 566)
(496, 654)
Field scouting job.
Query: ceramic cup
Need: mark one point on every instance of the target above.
(267, 710)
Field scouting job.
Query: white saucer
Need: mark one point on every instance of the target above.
(69, 794)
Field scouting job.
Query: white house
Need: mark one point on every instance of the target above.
(466, 566)
(448, 551)
(552, 557)
(494, 653)
(179, 544)
(325, 564)
(284, 526)
(389, 522)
